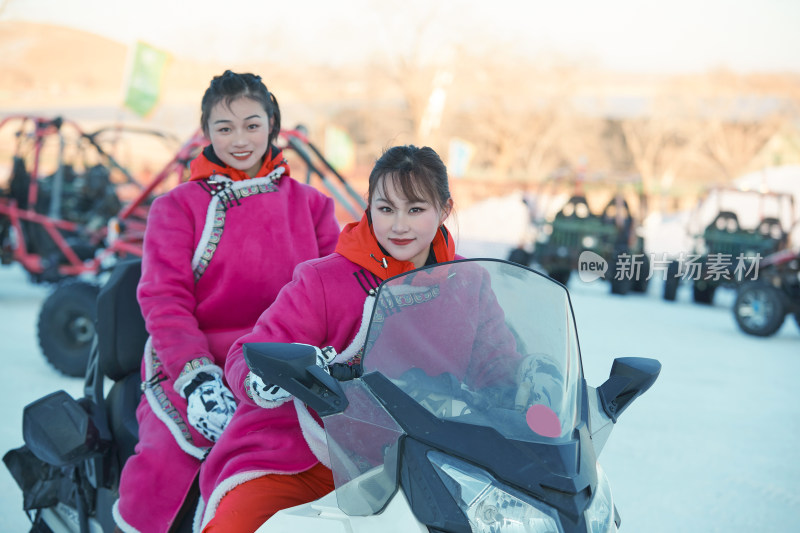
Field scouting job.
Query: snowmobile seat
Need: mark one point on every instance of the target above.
(121, 336)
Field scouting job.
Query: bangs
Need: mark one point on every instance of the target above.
(415, 187)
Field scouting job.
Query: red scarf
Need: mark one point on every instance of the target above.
(208, 164)
(357, 242)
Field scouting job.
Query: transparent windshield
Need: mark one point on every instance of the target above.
(477, 342)
(480, 342)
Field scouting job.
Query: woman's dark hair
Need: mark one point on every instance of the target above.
(418, 173)
(232, 86)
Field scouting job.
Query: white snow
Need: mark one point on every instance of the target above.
(710, 448)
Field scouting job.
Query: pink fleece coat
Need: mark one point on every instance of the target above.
(215, 256)
(322, 306)
(328, 303)
(473, 343)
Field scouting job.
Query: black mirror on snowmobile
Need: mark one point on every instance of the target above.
(629, 378)
(293, 367)
(58, 430)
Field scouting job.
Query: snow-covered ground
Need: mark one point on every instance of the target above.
(710, 448)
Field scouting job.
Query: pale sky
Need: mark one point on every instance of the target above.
(631, 35)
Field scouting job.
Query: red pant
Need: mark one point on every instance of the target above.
(247, 506)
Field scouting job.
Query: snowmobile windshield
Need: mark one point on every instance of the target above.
(482, 342)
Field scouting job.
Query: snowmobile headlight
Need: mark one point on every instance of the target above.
(600, 513)
(488, 504)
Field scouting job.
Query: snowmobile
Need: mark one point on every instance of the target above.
(423, 439)
(69, 468)
(474, 420)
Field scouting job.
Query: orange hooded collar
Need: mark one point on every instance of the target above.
(209, 164)
(357, 243)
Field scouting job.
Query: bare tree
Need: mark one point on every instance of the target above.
(664, 142)
(733, 145)
(519, 114)
(741, 114)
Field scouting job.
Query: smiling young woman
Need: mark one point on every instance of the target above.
(406, 227)
(239, 131)
(272, 453)
(217, 250)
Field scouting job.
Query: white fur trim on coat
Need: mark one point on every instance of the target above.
(198, 516)
(361, 337)
(313, 432)
(212, 208)
(119, 521)
(155, 406)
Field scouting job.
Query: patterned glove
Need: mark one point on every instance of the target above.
(269, 395)
(265, 395)
(210, 404)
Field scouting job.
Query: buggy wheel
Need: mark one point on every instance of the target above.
(759, 309)
(621, 286)
(520, 256)
(561, 276)
(643, 279)
(703, 292)
(66, 326)
(621, 281)
(671, 282)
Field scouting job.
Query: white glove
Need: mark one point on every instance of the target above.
(210, 404)
(269, 395)
(266, 395)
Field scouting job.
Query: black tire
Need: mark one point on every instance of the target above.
(759, 309)
(66, 326)
(621, 286)
(520, 256)
(561, 276)
(625, 282)
(672, 281)
(703, 292)
(640, 283)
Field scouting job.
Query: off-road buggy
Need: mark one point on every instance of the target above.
(69, 227)
(613, 232)
(64, 219)
(69, 483)
(762, 304)
(725, 252)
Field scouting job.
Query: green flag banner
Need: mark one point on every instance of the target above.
(144, 78)
(339, 149)
(460, 154)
